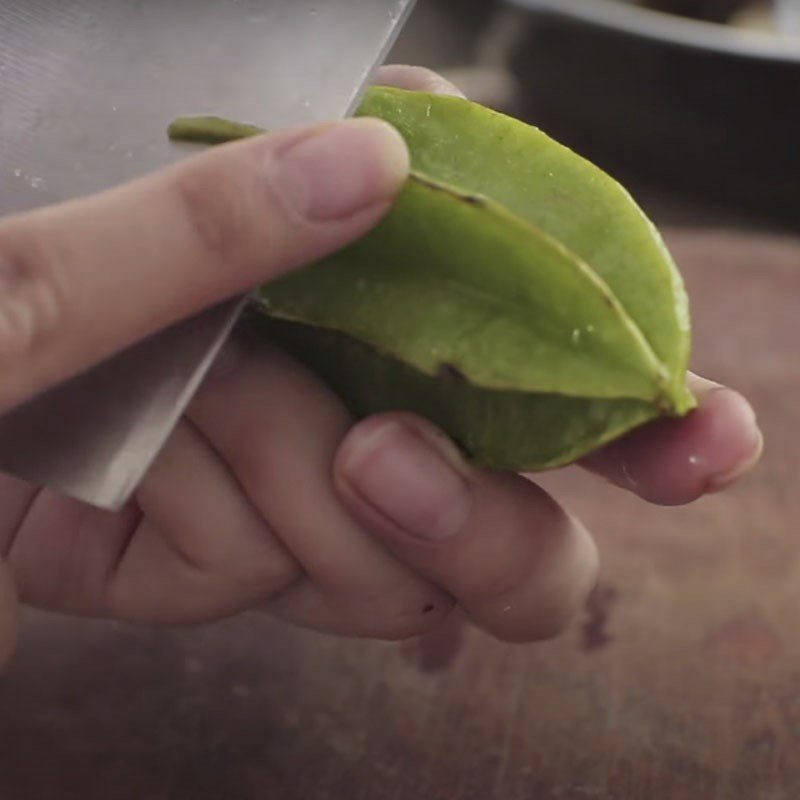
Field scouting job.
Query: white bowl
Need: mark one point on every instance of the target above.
(623, 16)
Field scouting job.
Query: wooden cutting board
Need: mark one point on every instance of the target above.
(681, 681)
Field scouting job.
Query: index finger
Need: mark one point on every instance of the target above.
(84, 279)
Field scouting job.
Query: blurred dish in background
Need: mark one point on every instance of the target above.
(781, 17)
(709, 10)
(756, 17)
(702, 108)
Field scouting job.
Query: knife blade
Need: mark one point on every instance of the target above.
(87, 88)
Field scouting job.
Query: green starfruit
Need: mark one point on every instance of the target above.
(516, 295)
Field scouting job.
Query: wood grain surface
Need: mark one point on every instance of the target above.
(680, 682)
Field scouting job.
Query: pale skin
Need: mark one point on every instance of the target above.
(269, 494)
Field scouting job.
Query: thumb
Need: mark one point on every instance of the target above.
(8, 614)
(81, 280)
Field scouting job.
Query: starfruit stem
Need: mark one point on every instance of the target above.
(210, 130)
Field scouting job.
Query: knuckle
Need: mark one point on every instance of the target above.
(256, 464)
(31, 297)
(255, 571)
(264, 576)
(215, 214)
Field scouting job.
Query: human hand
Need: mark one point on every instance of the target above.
(82, 280)
(268, 494)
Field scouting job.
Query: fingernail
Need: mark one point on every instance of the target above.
(723, 480)
(341, 169)
(737, 458)
(398, 472)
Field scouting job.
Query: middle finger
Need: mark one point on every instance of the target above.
(281, 444)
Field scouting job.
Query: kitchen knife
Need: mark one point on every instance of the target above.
(87, 89)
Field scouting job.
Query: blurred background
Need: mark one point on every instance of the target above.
(681, 679)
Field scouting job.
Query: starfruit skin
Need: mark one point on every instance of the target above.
(515, 296)
(507, 430)
(466, 145)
